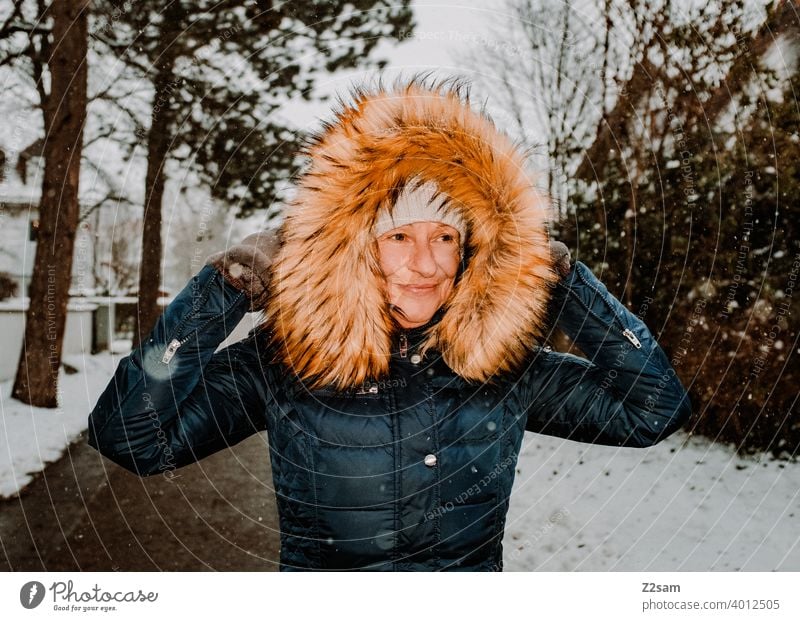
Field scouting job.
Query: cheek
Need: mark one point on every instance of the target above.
(390, 260)
(449, 262)
(387, 283)
(447, 286)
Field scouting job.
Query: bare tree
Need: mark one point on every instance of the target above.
(61, 57)
(548, 66)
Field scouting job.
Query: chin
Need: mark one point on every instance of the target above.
(418, 321)
(415, 316)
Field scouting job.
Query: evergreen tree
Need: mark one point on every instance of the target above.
(680, 195)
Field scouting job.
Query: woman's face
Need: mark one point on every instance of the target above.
(419, 263)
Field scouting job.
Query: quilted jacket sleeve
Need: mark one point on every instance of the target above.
(625, 394)
(173, 400)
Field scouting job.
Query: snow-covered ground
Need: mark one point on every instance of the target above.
(683, 505)
(32, 437)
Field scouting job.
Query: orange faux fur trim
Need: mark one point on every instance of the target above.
(327, 309)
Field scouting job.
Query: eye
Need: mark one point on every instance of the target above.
(397, 236)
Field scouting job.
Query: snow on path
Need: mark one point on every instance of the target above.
(683, 505)
(32, 437)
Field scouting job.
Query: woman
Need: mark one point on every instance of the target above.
(397, 366)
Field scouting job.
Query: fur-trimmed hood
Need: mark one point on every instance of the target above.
(327, 309)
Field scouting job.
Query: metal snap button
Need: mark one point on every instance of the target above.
(416, 359)
(430, 460)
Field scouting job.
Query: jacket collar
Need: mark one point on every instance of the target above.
(412, 338)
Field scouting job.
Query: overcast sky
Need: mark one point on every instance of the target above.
(444, 31)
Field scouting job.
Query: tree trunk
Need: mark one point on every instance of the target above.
(64, 111)
(633, 207)
(158, 145)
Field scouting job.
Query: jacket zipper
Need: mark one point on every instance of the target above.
(632, 338)
(403, 345)
(174, 344)
(171, 349)
(626, 332)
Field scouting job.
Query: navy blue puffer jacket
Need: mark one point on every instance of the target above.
(411, 472)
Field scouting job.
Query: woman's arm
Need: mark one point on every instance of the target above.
(625, 394)
(173, 401)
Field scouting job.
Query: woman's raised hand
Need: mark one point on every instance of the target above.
(247, 265)
(561, 257)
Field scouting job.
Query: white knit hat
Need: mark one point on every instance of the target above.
(420, 202)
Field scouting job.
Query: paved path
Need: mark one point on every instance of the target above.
(86, 513)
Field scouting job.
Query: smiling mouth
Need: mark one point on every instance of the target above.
(419, 288)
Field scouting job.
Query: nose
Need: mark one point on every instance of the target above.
(422, 260)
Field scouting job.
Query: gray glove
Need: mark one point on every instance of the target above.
(247, 265)
(561, 257)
